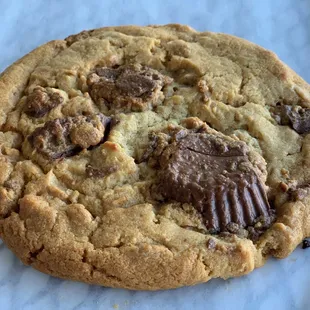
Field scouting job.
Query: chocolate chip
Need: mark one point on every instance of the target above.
(67, 136)
(305, 244)
(40, 102)
(216, 176)
(294, 116)
(99, 172)
(128, 88)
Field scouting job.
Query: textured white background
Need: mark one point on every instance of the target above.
(280, 25)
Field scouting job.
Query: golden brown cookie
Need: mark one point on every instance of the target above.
(153, 157)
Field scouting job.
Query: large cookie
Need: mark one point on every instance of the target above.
(153, 157)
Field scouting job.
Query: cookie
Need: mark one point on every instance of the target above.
(153, 157)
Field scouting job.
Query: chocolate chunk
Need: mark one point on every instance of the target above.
(135, 85)
(128, 88)
(305, 244)
(67, 136)
(99, 172)
(216, 176)
(294, 116)
(40, 102)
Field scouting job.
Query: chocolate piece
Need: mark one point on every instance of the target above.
(261, 224)
(294, 116)
(40, 102)
(305, 244)
(65, 137)
(128, 88)
(215, 175)
(299, 193)
(99, 172)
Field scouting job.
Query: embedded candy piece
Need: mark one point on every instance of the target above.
(128, 88)
(216, 176)
(41, 101)
(65, 137)
(295, 116)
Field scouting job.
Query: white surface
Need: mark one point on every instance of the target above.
(280, 25)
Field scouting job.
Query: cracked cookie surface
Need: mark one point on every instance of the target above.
(153, 157)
